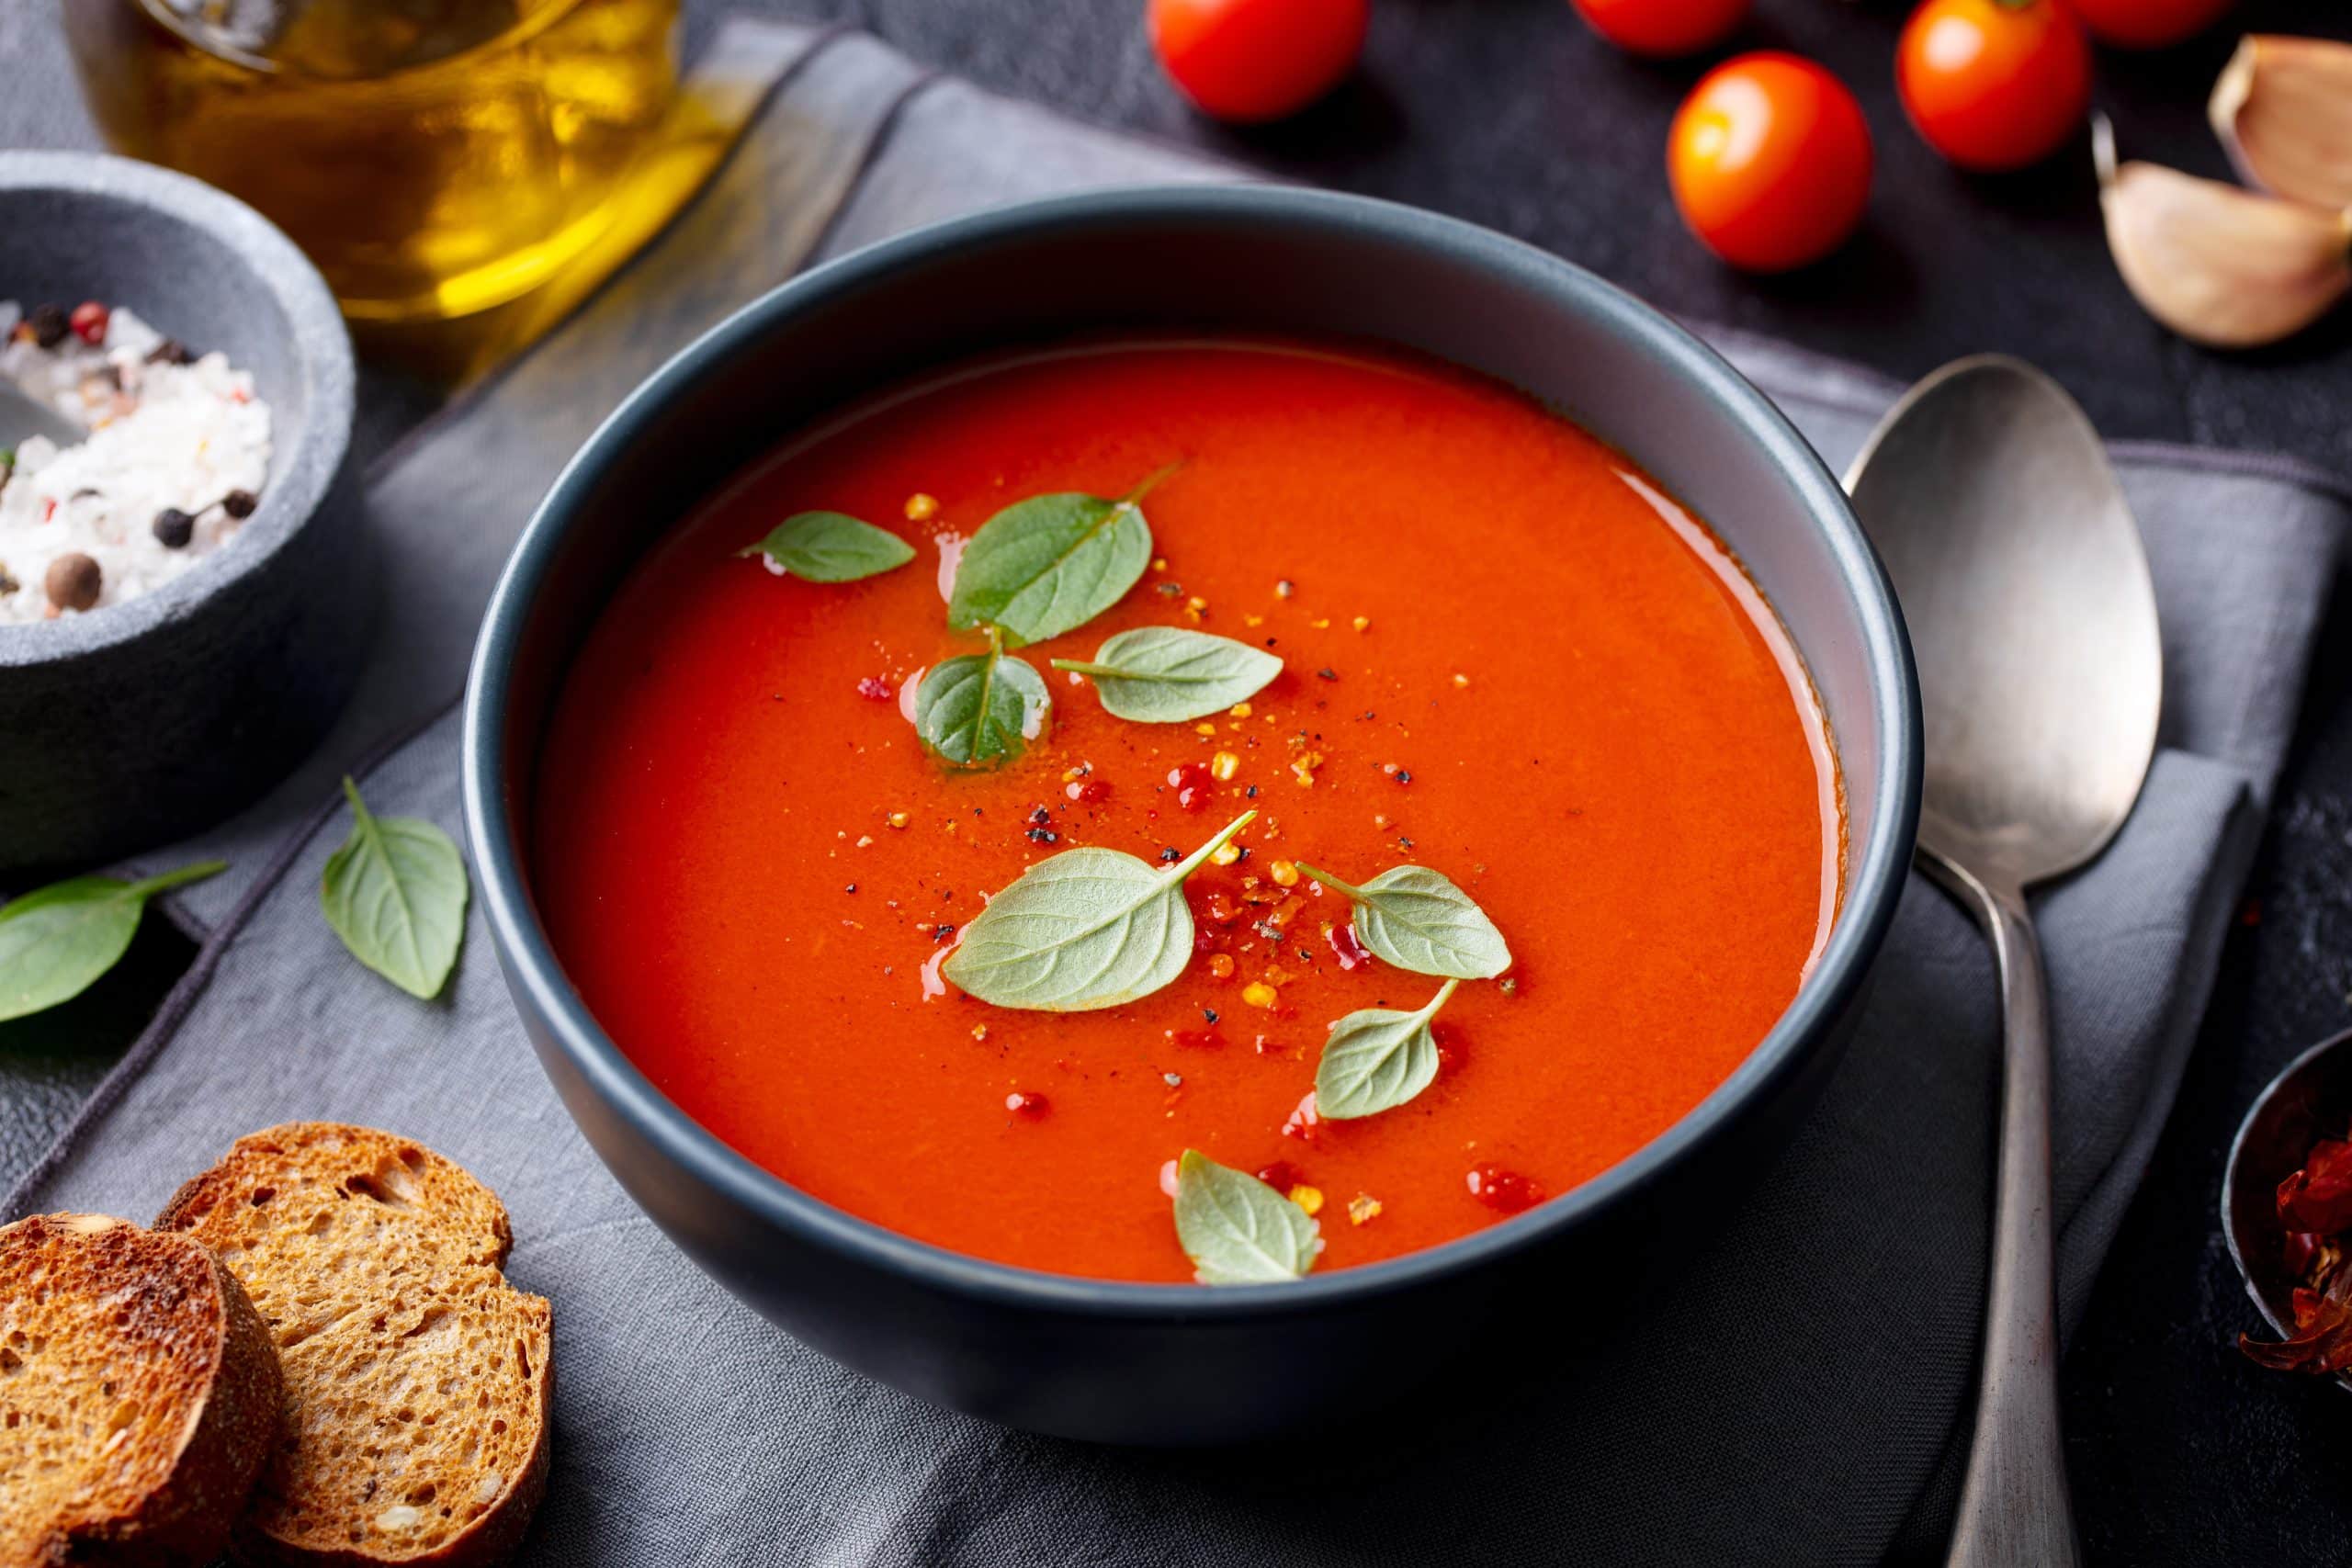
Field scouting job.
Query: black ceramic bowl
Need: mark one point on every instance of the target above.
(2311, 1100)
(139, 722)
(1165, 1363)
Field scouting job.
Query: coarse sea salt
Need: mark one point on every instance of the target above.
(163, 436)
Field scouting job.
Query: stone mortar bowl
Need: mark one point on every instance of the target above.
(137, 723)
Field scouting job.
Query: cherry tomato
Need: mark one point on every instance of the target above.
(1257, 60)
(2148, 24)
(1995, 83)
(1771, 162)
(1663, 28)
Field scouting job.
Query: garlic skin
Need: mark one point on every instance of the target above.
(2283, 107)
(2221, 267)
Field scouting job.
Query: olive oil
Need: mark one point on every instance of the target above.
(433, 157)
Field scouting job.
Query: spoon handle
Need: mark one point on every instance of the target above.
(2013, 1508)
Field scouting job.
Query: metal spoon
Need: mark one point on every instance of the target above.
(21, 418)
(2021, 577)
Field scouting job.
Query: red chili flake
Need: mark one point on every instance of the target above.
(1505, 1191)
(1347, 947)
(873, 689)
(1194, 784)
(1021, 1102)
(89, 322)
(49, 509)
(2306, 1304)
(1282, 1176)
(1449, 1046)
(2301, 1250)
(1221, 909)
(1088, 792)
(1197, 1039)
(2251, 915)
(2319, 1196)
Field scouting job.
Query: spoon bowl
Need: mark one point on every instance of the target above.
(2040, 675)
(2034, 621)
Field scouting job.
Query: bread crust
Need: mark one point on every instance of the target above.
(160, 1314)
(420, 1244)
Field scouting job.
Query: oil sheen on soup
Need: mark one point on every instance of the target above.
(1507, 655)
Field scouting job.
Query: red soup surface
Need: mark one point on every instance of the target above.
(1507, 656)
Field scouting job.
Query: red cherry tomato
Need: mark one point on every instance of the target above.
(2148, 24)
(1257, 60)
(1771, 162)
(1995, 83)
(1663, 28)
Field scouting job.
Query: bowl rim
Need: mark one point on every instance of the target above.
(301, 473)
(1877, 867)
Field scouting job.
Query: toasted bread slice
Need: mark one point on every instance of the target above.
(139, 1396)
(417, 1380)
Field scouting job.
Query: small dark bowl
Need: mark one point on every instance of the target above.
(1163, 1363)
(2311, 1101)
(141, 722)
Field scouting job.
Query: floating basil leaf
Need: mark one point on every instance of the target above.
(395, 892)
(1235, 1229)
(831, 547)
(1085, 928)
(1045, 565)
(1166, 674)
(56, 941)
(1377, 1059)
(1415, 918)
(981, 710)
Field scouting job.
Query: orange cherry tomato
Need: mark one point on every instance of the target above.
(1663, 28)
(2148, 24)
(1771, 162)
(1995, 83)
(1257, 60)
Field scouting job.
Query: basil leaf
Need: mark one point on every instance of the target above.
(1377, 1059)
(56, 941)
(1235, 1229)
(1166, 674)
(1085, 928)
(395, 892)
(1045, 565)
(1415, 918)
(981, 710)
(831, 547)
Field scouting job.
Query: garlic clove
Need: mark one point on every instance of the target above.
(2220, 266)
(2283, 107)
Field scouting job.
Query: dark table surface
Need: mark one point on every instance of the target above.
(1510, 113)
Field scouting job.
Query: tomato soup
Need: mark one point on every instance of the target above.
(1507, 655)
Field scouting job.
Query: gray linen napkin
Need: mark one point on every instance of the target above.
(1798, 1397)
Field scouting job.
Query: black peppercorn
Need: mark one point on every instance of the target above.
(73, 582)
(174, 528)
(50, 324)
(171, 351)
(240, 503)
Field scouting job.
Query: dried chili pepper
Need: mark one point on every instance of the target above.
(2323, 1337)
(2318, 1197)
(2315, 1206)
